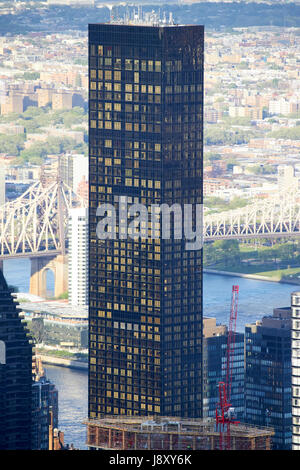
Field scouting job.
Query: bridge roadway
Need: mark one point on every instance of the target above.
(35, 224)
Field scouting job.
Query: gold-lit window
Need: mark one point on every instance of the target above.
(117, 76)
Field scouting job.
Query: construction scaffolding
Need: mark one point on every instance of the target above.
(167, 433)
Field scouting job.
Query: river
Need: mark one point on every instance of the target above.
(256, 299)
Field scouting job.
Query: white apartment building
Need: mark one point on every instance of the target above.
(2, 186)
(78, 257)
(80, 170)
(286, 178)
(283, 106)
(74, 168)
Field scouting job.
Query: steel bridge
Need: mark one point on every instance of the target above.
(278, 216)
(35, 224)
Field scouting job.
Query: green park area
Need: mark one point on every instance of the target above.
(278, 261)
(37, 120)
(63, 354)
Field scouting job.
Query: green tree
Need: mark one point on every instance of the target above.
(228, 250)
(11, 144)
(37, 330)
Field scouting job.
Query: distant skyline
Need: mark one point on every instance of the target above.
(18, 18)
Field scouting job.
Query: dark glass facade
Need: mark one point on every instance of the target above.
(15, 375)
(44, 400)
(214, 371)
(268, 376)
(145, 140)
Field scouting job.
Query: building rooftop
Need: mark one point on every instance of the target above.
(172, 433)
(139, 18)
(61, 311)
(154, 424)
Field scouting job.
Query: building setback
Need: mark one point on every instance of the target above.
(145, 143)
(268, 375)
(15, 375)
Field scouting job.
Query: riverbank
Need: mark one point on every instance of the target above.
(252, 276)
(63, 362)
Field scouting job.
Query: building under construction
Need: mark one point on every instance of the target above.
(166, 433)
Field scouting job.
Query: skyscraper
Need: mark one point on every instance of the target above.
(268, 375)
(215, 338)
(44, 403)
(78, 256)
(295, 307)
(2, 186)
(146, 144)
(15, 375)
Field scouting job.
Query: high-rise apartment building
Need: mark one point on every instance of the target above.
(295, 306)
(2, 186)
(145, 294)
(78, 256)
(215, 338)
(268, 375)
(15, 375)
(62, 100)
(44, 401)
(73, 169)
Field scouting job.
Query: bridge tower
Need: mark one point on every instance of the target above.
(39, 267)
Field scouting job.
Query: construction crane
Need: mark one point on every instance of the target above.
(224, 410)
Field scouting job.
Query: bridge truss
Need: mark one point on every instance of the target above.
(278, 216)
(36, 222)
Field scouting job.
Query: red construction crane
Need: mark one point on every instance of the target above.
(224, 410)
